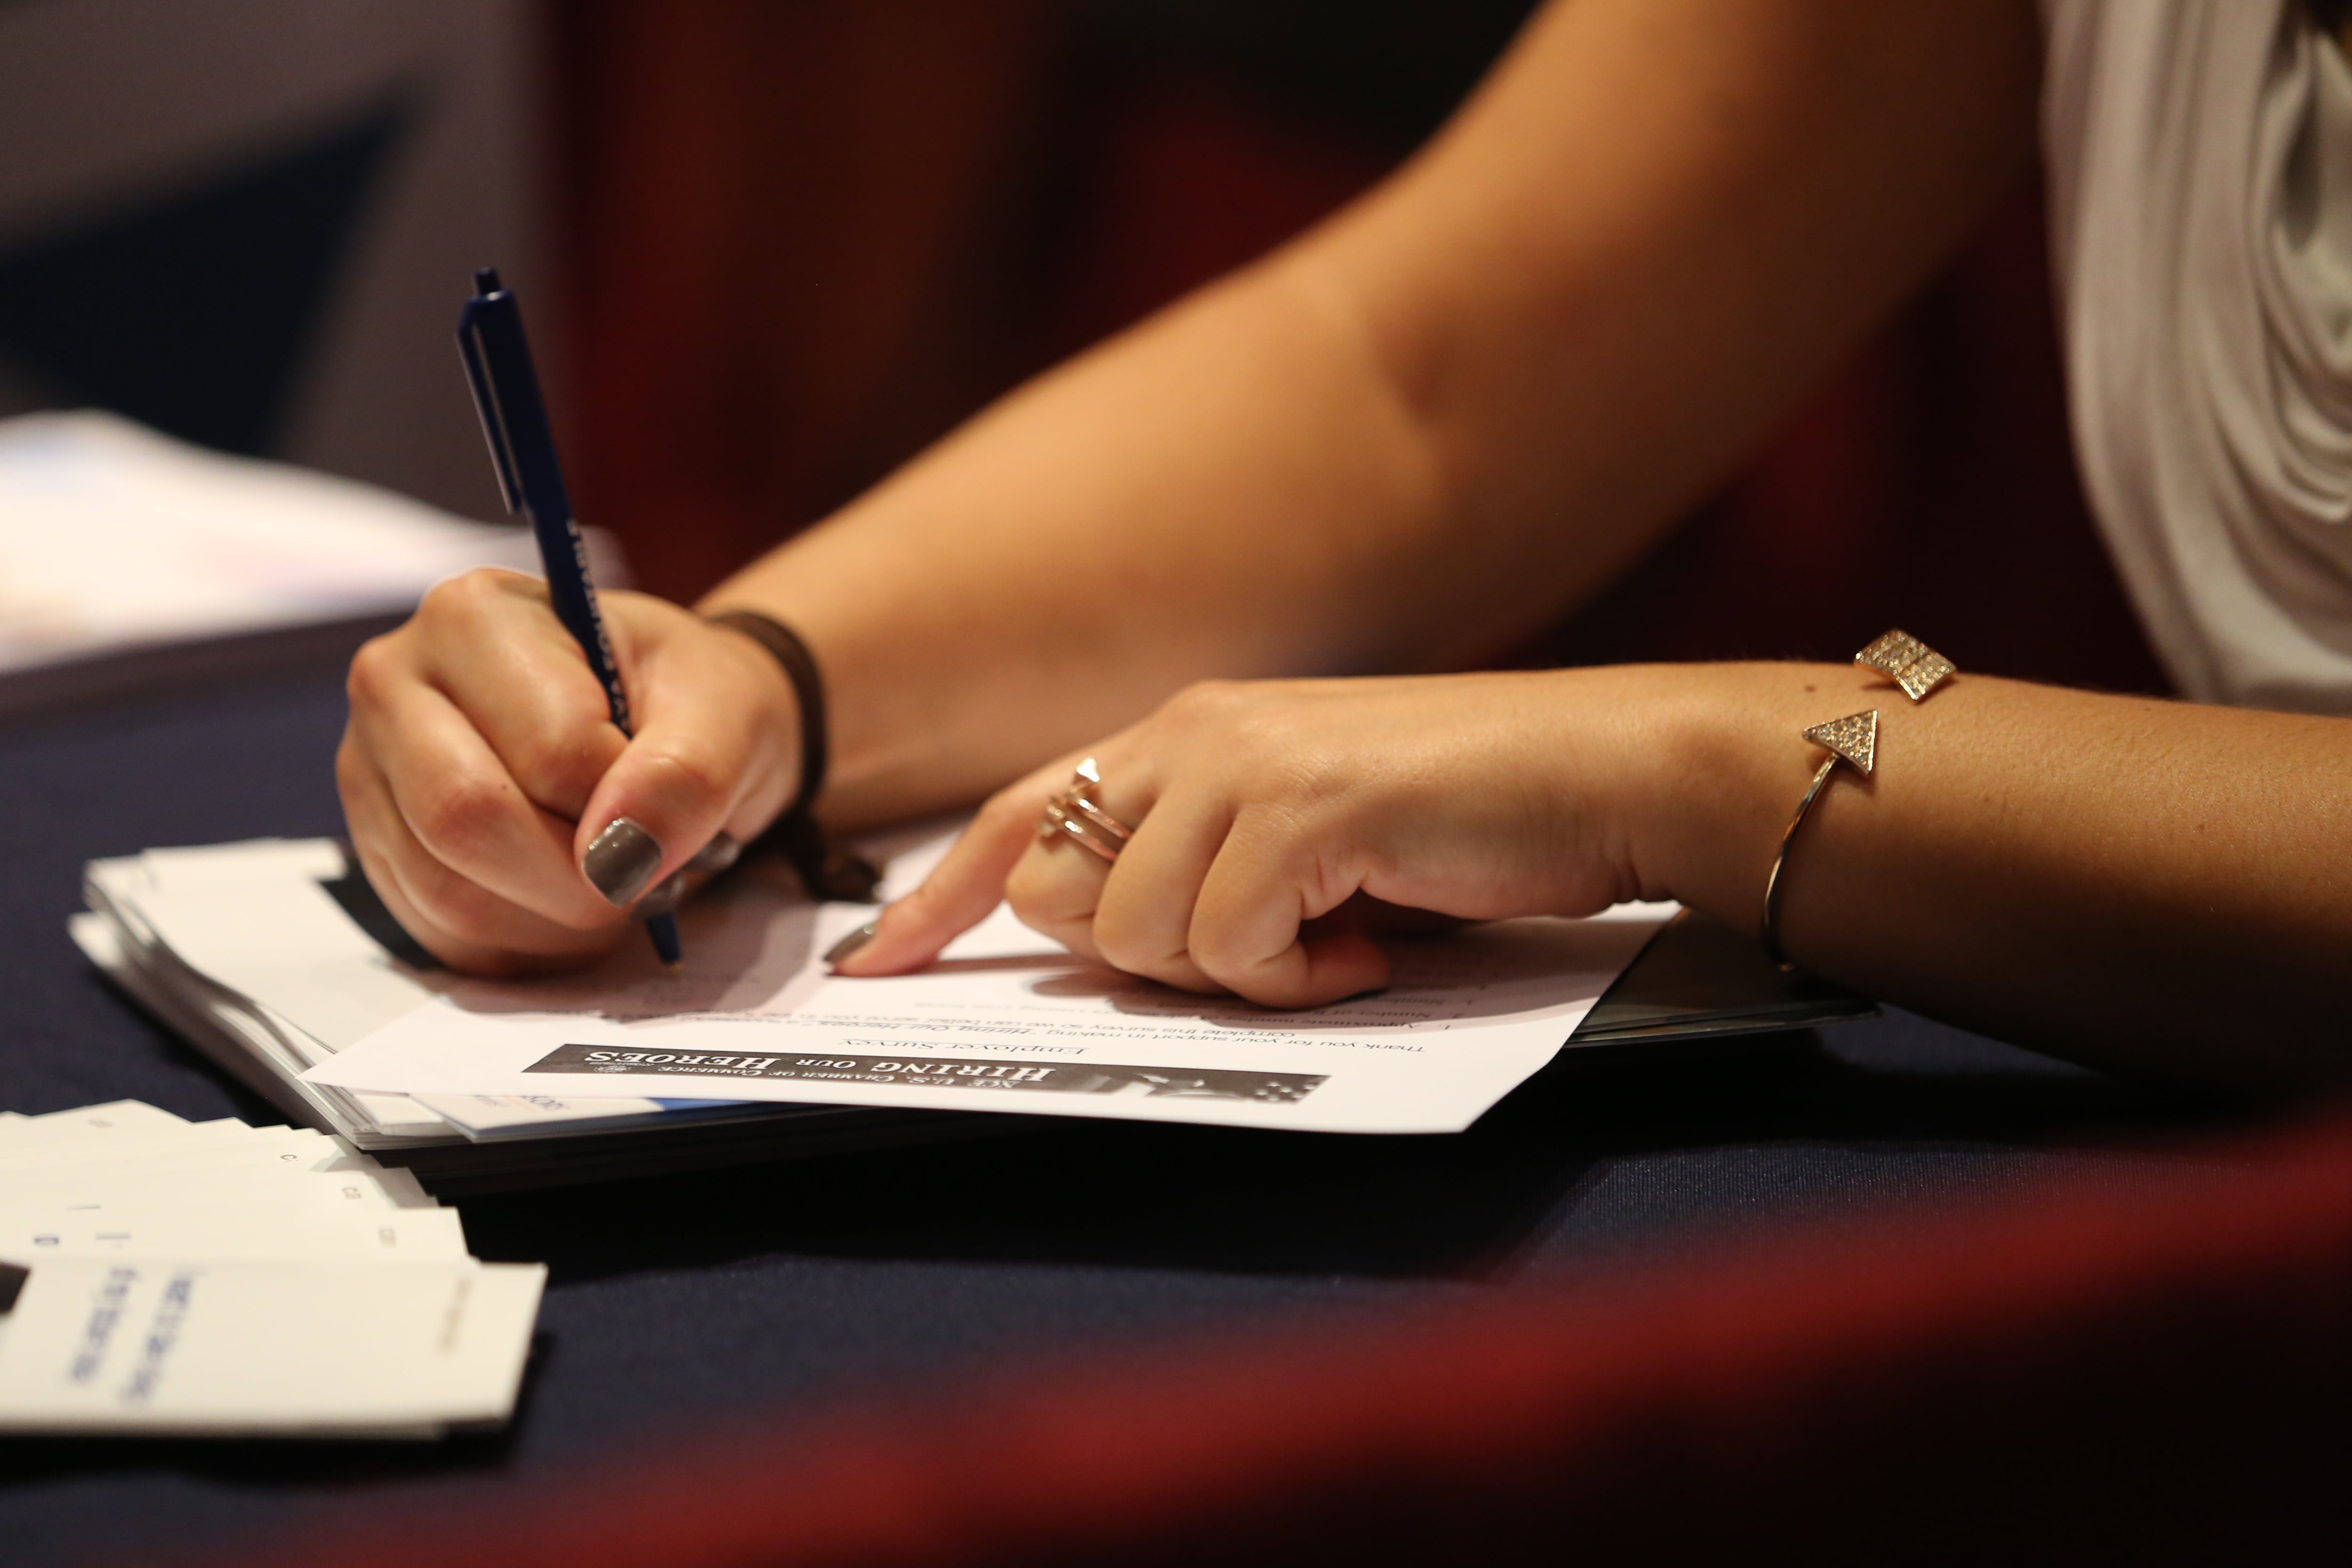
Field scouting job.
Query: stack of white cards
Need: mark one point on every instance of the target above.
(212, 1279)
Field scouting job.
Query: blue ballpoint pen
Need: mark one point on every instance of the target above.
(522, 449)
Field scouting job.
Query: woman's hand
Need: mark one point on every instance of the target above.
(504, 819)
(1260, 808)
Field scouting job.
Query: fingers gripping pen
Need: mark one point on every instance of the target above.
(523, 448)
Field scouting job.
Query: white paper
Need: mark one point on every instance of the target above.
(189, 1147)
(1006, 1021)
(245, 932)
(227, 1346)
(112, 535)
(492, 1116)
(108, 1121)
(214, 1278)
(158, 1229)
(282, 942)
(380, 1188)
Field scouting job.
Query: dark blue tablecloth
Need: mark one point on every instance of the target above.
(743, 1294)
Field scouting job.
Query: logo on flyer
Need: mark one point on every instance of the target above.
(941, 1072)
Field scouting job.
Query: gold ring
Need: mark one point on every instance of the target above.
(1074, 813)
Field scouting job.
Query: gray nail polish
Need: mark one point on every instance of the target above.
(621, 860)
(715, 857)
(850, 943)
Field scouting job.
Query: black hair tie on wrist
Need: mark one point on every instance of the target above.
(826, 870)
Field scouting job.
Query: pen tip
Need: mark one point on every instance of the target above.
(663, 929)
(673, 970)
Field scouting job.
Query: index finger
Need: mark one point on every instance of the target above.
(962, 888)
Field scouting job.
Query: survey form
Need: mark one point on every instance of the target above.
(1006, 1020)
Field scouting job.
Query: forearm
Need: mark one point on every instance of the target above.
(1438, 421)
(2135, 884)
(1229, 489)
(2131, 882)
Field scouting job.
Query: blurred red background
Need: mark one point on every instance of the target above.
(801, 240)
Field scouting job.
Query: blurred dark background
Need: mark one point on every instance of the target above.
(779, 247)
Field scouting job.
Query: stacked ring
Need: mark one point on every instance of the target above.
(1073, 813)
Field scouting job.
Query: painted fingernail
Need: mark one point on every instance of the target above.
(664, 899)
(621, 860)
(850, 943)
(715, 857)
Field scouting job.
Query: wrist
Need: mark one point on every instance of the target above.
(777, 705)
(826, 870)
(1730, 766)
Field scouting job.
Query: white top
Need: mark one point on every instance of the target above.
(2201, 161)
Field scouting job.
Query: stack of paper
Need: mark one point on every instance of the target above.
(272, 956)
(277, 959)
(210, 1278)
(116, 542)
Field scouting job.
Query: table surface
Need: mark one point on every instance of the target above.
(756, 1292)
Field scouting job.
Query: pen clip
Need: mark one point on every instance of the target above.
(486, 406)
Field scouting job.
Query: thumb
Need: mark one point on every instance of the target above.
(695, 770)
(716, 750)
(666, 796)
(961, 889)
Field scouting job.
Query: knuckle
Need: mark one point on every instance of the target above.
(465, 595)
(1040, 890)
(1072, 934)
(1210, 701)
(1247, 978)
(466, 926)
(492, 929)
(646, 612)
(1123, 946)
(692, 772)
(1219, 948)
(456, 906)
(351, 770)
(461, 910)
(447, 600)
(464, 814)
(376, 668)
(1216, 954)
(1025, 888)
(553, 762)
(458, 605)
(1014, 802)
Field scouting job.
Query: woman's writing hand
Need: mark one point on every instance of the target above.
(1268, 815)
(499, 813)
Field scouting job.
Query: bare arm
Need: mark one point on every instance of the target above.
(2154, 887)
(1437, 420)
(2138, 884)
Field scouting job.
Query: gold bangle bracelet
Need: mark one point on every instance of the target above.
(1915, 668)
